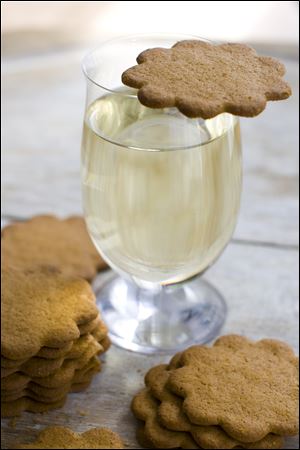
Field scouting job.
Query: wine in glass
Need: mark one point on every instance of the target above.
(161, 196)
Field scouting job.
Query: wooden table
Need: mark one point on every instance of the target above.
(258, 272)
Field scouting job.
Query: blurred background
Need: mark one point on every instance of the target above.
(34, 27)
(44, 92)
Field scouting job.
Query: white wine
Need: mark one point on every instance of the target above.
(161, 192)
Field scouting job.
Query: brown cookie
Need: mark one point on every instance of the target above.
(99, 333)
(57, 352)
(65, 374)
(61, 437)
(89, 327)
(11, 409)
(105, 343)
(53, 353)
(37, 403)
(79, 387)
(85, 328)
(49, 395)
(172, 417)
(144, 407)
(41, 367)
(45, 394)
(249, 389)
(47, 240)
(42, 308)
(141, 438)
(203, 79)
(44, 352)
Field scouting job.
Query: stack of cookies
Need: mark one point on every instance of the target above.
(50, 337)
(236, 394)
(51, 330)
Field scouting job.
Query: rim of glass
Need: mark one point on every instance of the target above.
(128, 37)
(113, 91)
(169, 149)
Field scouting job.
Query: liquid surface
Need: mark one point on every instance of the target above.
(163, 210)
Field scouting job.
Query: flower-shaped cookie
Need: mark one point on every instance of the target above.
(72, 349)
(249, 389)
(47, 240)
(42, 367)
(172, 417)
(42, 307)
(61, 437)
(144, 407)
(72, 371)
(203, 80)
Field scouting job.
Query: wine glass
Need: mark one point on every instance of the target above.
(161, 195)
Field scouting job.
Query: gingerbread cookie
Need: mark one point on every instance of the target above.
(36, 403)
(11, 409)
(89, 327)
(48, 395)
(41, 367)
(61, 437)
(142, 439)
(172, 417)
(44, 352)
(67, 374)
(144, 407)
(248, 389)
(42, 308)
(203, 80)
(99, 333)
(45, 395)
(105, 343)
(47, 240)
(57, 396)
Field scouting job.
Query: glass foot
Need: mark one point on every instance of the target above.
(167, 321)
